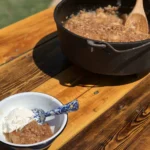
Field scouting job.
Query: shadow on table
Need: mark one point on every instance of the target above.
(4, 147)
(49, 58)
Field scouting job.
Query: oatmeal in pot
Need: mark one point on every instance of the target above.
(104, 24)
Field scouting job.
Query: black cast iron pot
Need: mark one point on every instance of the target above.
(97, 56)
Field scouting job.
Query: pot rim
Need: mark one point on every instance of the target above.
(84, 38)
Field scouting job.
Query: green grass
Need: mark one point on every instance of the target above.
(12, 11)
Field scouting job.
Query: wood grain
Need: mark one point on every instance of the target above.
(93, 101)
(94, 92)
(142, 140)
(120, 126)
(24, 35)
(15, 79)
(27, 71)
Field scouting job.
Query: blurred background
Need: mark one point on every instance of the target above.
(12, 11)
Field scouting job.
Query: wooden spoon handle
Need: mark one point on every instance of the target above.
(139, 7)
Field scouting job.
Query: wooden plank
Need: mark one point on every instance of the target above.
(70, 80)
(77, 83)
(93, 101)
(69, 77)
(32, 69)
(25, 34)
(70, 84)
(120, 126)
(142, 141)
(14, 79)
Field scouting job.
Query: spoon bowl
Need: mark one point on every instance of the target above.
(137, 18)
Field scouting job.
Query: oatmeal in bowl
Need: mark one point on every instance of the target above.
(19, 130)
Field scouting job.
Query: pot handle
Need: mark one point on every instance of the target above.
(104, 45)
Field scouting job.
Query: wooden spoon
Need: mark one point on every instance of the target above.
(137, 18)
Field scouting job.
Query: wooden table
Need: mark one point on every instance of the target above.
(114, 111)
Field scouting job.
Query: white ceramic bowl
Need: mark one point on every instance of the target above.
(34, 100)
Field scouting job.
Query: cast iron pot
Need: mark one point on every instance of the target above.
(97, 56)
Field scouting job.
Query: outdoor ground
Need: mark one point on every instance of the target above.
(14, 10)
